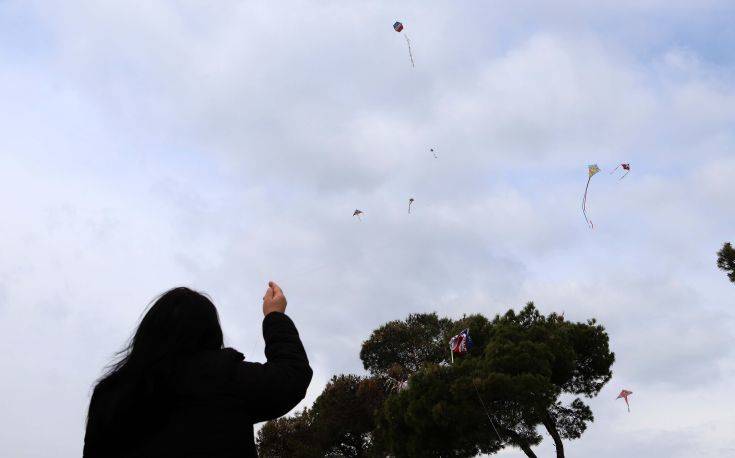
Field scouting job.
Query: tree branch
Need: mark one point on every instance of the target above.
(553, 432)
(518, 440)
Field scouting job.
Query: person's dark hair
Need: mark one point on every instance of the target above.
(136, 387)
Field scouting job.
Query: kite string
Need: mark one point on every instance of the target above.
(410, 54)
(485, 409)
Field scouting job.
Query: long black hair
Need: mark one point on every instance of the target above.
(133, 396)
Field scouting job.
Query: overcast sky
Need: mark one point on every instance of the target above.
(145, 145)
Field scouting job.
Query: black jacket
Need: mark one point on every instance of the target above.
(215, 398)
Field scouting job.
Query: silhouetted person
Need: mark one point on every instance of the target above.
(176, 392)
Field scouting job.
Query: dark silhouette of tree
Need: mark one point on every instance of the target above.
(344, 414)
(726, 260)
(289, 436)
(340, 423)
(497, 395)
(406, 345)
(502, 390)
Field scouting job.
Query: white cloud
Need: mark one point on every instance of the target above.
(145, 147)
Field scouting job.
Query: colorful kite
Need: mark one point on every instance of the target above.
(410, 201)
(358, 213)
(592, 169)
(624, 394)
(398, 27)
(625, 167)
(461, 343)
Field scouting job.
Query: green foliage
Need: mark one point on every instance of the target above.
(495, 396)
(344, 414)
(441, 414)
(726, 260)
(571, 421)
(520, 365)
(406, 346)
(289, 436)
(340, 423)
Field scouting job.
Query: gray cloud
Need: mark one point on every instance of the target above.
(168, 144)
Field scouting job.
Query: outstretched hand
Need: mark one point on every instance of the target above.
(274, 300)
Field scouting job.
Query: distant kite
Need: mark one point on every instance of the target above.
(625, 167)
(410, 201)
(592, 169)
(358, 213)
(398, 27)
(433, 152)
(624, 394)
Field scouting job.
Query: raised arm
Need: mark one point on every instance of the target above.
(275, 387)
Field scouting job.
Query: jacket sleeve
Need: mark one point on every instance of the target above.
(275, 387)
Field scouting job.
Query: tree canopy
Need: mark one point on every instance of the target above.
(340, 423)
(726, 260)
(406, 345)
(502, 390)
(525, 371)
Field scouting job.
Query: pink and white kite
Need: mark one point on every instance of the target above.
(624, 394)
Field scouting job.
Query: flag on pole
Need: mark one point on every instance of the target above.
(461, 343)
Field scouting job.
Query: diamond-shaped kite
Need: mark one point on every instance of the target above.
(624, 394)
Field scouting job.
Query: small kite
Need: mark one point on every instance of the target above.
(592, 169)
(624, 394)
(410, 201)
(625, 167)
(398, 27)
(358, 213)
(461, 343)
(433, 152)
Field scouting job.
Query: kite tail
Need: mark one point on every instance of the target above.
(485, 409)
(584, 204)
(410, 53)
(614, 170)
(623, 176)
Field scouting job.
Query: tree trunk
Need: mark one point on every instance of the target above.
(516, 439)
(527, 450)
(554, 433)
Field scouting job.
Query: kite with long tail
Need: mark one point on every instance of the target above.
(398, 27)
(624, 394)
(625, 167)
(592, 169)
(410, 201)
